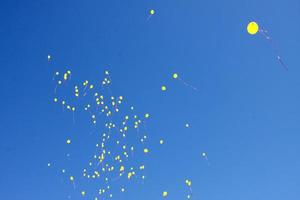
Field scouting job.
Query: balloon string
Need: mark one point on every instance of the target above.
(149, 17)
(264, 33)
(188, 85)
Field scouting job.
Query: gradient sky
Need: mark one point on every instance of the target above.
(246, 114)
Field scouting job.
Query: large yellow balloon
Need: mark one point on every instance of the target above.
(252, 28)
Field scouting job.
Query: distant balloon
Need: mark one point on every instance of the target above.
(146, 150)
(252, 28)
(165, 194)
(175, 75)
(151, 13)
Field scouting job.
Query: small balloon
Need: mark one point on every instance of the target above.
(165, 194)
(146, 150)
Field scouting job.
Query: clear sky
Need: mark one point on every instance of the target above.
(245, 115)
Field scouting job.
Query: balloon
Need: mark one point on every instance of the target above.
(165, 194)
(252, 28)
(175, 75)
(146, 150)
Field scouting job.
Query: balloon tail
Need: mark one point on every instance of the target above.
(188, 85)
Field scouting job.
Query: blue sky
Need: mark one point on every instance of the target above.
(245, 115)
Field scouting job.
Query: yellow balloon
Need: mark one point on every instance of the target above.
(163, 88)
(175, 75)
(146, 150)
(165, 194)
(252, 28)
(152, 12)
